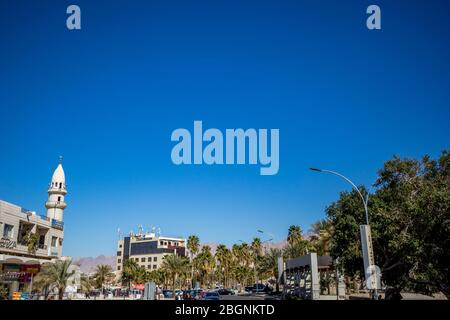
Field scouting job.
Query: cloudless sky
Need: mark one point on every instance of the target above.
(108, 97)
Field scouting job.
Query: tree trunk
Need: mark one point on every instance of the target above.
(61, 293)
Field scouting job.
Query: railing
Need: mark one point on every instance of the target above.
(57, 224)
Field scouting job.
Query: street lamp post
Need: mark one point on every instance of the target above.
(366, 238)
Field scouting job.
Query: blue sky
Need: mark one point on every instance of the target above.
(108, 97)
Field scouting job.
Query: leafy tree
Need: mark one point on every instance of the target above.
(175, 266)
(193, 245)
(224, 264)
(204, 264)
(86, 283)
(410, 220)
(294, 234)
(32, 241)
(269, 264)
(54, 275)
(103, 274)
(133, 273)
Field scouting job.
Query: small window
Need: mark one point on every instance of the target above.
(119, 260)
(149, 266)
(155, 266)
(149, 259)
(118, 268)
(155, 259)
(59, 199)
(8, 231)
(54, 239)
(142, 259)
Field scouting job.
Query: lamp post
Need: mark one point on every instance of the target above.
(370, 268)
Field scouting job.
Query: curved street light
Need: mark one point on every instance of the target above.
(364, 200)
(372, 275)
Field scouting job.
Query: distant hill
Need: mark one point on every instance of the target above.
(89, 264)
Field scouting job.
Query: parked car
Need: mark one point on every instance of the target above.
(225, 292)
(212, 296)
(167, 293)
(198, 294)
(258, 287)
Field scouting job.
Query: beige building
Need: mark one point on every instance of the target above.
(18, 264)
(148, 249)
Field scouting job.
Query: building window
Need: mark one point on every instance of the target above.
(120, 246)
(155, 259)
(54, 239)
(119, 253)
(161, 243)
(155, 266)
(59, 199)
(149, 259)
(8, 231)
(118, 268)
(142, 259)
(149, 266)
(119, 260)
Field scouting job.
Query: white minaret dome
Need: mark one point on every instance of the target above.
(58, 175)
(56, 192)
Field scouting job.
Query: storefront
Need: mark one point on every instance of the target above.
(17, 276)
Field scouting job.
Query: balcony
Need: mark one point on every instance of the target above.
(57, 224)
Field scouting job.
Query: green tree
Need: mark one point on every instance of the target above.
(224, 259)
(193, 245)
(86, 283)
(294, 234)
(409, 216)
(175, 266)
(54, 275)
(103, 274)
(205, 264)
(133, 273)
(269, 264)
(255, 252)
(32, 241)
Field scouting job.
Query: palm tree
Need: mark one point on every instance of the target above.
(103, 274)
(224, 258)
(256, 250)
(55, 275)
(86, 283)
(269, 264)
(193, 244)
(294, 234)
(32, 241)
(205, 264)
(175, 266)
(133, 273)
(322, 232)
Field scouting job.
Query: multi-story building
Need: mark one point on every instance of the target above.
(19, 260)
(148, 249)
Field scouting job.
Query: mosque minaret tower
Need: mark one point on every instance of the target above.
(56, 192)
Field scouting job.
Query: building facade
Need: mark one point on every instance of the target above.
(20, 261)
(148, 249)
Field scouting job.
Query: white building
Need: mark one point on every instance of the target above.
(18, 264)
(148, 249)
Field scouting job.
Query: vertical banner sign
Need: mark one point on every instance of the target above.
(369, 260)
(280, 268)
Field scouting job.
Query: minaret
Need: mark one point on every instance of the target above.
(56, 191)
